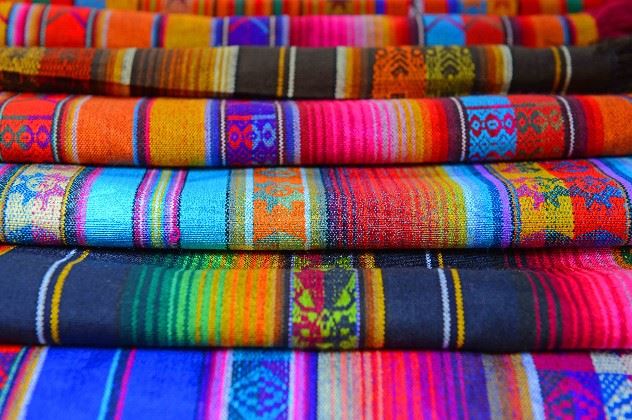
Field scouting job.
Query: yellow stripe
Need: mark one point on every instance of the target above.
(15, 409)
(56, 301)
(374, 287)
(367, 260)
(523, 386)
(212, 307)
(460, 314)
(585, 28)
(281, 72)
(201, 279)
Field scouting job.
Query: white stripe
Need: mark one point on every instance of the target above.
(285, 27)
(104, 29)
(569, 69)
(222, 130)
(28, 39)
(89, 27)
(75, 122)
(225, 25)
(341, 72)
(229, 81)
(535, 393)
(420, 30)
(428, 260)
(273, 31)
(42, 31)
(228, 374)
(291, 70)
(308, 209)
(507, 68)
(463, 132)
(508, 30)
(217, 71)
(33, 382)
(445, 303)
(126, 66)
(281, 128)
(41, 296)
(292, 381)
(571, 126)
(53, 132)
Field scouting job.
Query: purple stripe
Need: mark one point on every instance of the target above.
(82, 205)
(140, 217)
(171, 232)
(502, 191)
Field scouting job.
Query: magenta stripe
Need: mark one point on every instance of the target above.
(172, 208)
(216, 403)
(143, 196)
(19, 23)
(298, 393)
(124, 385)
(82, 206)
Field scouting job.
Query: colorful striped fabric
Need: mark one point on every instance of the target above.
(340, 73)
(265, 7)
(336, 7)
(230, 133)
(547, 259)
(505, 7)
(63, 26)
(134, 383)
(529, 204)
(65, 297)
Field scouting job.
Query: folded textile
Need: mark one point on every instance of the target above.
(528, 204)
(63, 26)
(326, 7)
(229, 133)
(65, 297)
(170, 384)
(505, 7)
(341, 73)
(547, 259)
(276, 7)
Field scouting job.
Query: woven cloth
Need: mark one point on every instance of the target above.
(229, 133)
(168, 384)
(280, 7)
(528, 204)
(63, 26)
(81, 297)
(546, 259)
(340, 73)
(337, 7)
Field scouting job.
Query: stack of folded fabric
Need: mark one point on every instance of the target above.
(428, 215)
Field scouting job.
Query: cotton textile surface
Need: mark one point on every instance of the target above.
(62, 26)
(82, 297)
(320, 7)
(233, 133)
(546, 259)
(324, 73)
(168, 384)
(555, 203)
